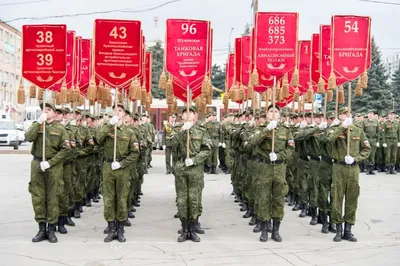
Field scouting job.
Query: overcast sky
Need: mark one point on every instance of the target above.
(223, 14)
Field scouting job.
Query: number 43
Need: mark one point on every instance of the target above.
(349, 26)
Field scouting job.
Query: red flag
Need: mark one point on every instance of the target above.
(86, 64)
(315, 59)
(246, 60)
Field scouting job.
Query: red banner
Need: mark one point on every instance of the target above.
(276, 42)
(117, 51)
(246, 60)
(325, 58)
(238, 59)
(315, 59)
(44, 54)
(304, 65)
(181, 93)
(351, 39)
(86, 64)
(78, 60)
(69, 78)
(187, 50)
(209, 58)
(148, 70)
(230, 71)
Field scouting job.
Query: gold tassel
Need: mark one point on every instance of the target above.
(235, 95)
(341, 95)
(162, 83)
(91, 102)
(295, 78)
(76, 94)
(250, 91)
(106, 93)
(21, 93)
(208, 100)
(143, 94)
(100, 91)
(92, 90)
(133, 90)
(241, 93)
(332, 81)
(69, 96)
(321, 85)
(254, 77)
(58, 98)
(64, 93)
(364, 80)
(264, 96)
(119, 97)
(329, 96)
(109, 100)
(103, 104)
(32, 91)
(40, 94)
(210, 88)
(296, 95)
(285, 91)
(204, 86)
(310, 94)
(359, 89)
(169, 88)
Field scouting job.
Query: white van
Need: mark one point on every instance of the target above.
(9, 134)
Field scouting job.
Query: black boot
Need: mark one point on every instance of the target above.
(264, 233)
(303, 212)
(392, 170)
(269, 226)
(127, 223)
(185, 232)
(68, 220)
(133, 209)
(245, 207)
(77, 213)
(88, 200)
(81, 204)
(291, 201)
(325, 224)
(52, 233)
(41, 235)
(120, 232)
(95, 194)
(388, 170)
(253, 220)
(198, 228)
(257, 229)
(61, 223)
(192, 232)
(248, 214)
(131, 214)
(339, 231)
(136, 204)
(213, 170)
(176, 215)
(111, 232)
(296, 207)
(332, 227)
(275, 231)
(348, 235)
(314, 217)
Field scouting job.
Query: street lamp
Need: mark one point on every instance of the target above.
(230, 37)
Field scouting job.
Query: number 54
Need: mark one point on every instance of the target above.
(349, 26)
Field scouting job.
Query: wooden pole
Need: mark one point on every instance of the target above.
(188, 97)
(44, 129)
(273, 115)
(337, 102)
(116, 125)
(348, 115)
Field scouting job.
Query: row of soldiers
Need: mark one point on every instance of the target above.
(274, 156)
(79, 163)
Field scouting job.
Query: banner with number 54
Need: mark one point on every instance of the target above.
(187, 53)
(276, 35)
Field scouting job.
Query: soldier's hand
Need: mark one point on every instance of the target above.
(303, 124)
(42, 118)
(44, 165)
(348, 159)
(187, 125)
(336, 122)
(323, 125)
(223, 145)
(347, 122)
(271, 125)
(188, 162)
(164, 147)
(377, 144)
(115, 165)
(252, 123)
(273, 157)
(220, 144)
(398, 144)
(384, 145)
(114, 120)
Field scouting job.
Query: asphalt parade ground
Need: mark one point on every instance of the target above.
(228, 240)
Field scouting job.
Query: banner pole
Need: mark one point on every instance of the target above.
(44, 129)
(188, 92)
(116, 125)
(348, 114)
(273, 115)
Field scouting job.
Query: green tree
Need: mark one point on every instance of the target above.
(395, 86)
(247, 30)
(157, 67)
(218, 79)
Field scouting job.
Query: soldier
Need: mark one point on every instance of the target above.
(291, 169)
(150, 138)
(47, 173)
(221, 150)
(391, 137)
(168, 126)
(91, 160)
(213, 128)
(271, 181)
(189, 177)
(346, 173)
(116, 172)
(380, 153)
(371, 130)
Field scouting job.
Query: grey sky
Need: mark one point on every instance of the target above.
(223, 14)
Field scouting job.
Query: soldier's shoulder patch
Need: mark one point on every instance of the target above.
(136, 145)
(366, 143)
(91, 141)
(291, 143)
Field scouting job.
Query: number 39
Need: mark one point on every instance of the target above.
(348, 26)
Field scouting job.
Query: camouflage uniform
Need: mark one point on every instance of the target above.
(391, 136)
(371, 129)
(213, 128)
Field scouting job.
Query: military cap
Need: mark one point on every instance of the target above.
(331, 114)
(372, 111)
(67, 110)
(343, 110)
(294, 115)
(192, 108)
(231, 114)
(286, 111)
(89, 115)
(48, 105)
(358, 114)
(119, 105)
(392, 112)
(316, 114)
(136, 117)
(271, 106)
(383, 114)
(263, 114)
(101, 116)
(78, 111)
(207, 115)
(257, 114)
(363, 114)
(308, 114)
(172, 115)
(59, 109)
(127, 112)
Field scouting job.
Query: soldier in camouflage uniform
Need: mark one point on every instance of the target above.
(371, 130)
(189, 177)
(291, 166)
(391, 137)
(380, 153)
(213, 128)
(91, 160)
(346, 173)
(46, 182)
(166, 143)
(151, 134)
(222, 148)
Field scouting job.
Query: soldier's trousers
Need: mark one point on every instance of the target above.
(391, 153)
(168, 154)
(371, 159)
(271, 191)
(228, 157)
(290, 171)
(313, 182)
(380, 155)
(302, 176)
(246, 179)
(235, 170)
(80, 182)
(64, 203)
(189, 182)
(45, 188)
(221, 154)
(325, 182)
(134, 180)
(253, 168)
(212, 160)
(90, 177)
(345, 184)
(116, 187)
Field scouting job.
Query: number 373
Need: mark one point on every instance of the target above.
(276, 39)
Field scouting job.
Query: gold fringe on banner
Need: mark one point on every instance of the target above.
(295, 78)
(143, 94)
(162, 83)
(332, 81)
(103, 104)
(120, 98)
(169, 87)
(40, 94)
(106, 92)
(310, 94)
(91, 102)
(321, 86)
(341, 95)
(254, 78)
(359, 89)
(64, 93)
(329, 96)
(92, 90)
(32, 91)
(250, 91)
(296, 95)
(58, 98)
(364, 80)
(100, 91)
(21, 93)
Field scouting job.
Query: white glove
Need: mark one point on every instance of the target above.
(42, 118)
(312, 125)
(303, 124)
(44, 165)
(114, 120)
(252, 123)
(187, 125)
(377, 144)
(287, 124)
(348, 159)
(398, 144)
(271, 125)
(220, 144)
(115, 165)
(188, 162)
(347, 122)
(384, 145)
(323, 125)
(164, 147)
(273, 157)
(336, 122)
(223, 145)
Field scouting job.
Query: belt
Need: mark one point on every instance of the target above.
(262, 160)
(315, 158)
(39, 159)
(326, 159)
(343, 163)
(112, 160)
(67, 163)
(304, 158)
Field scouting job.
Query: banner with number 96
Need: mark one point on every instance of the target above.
(44, 54)
(276, 37)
